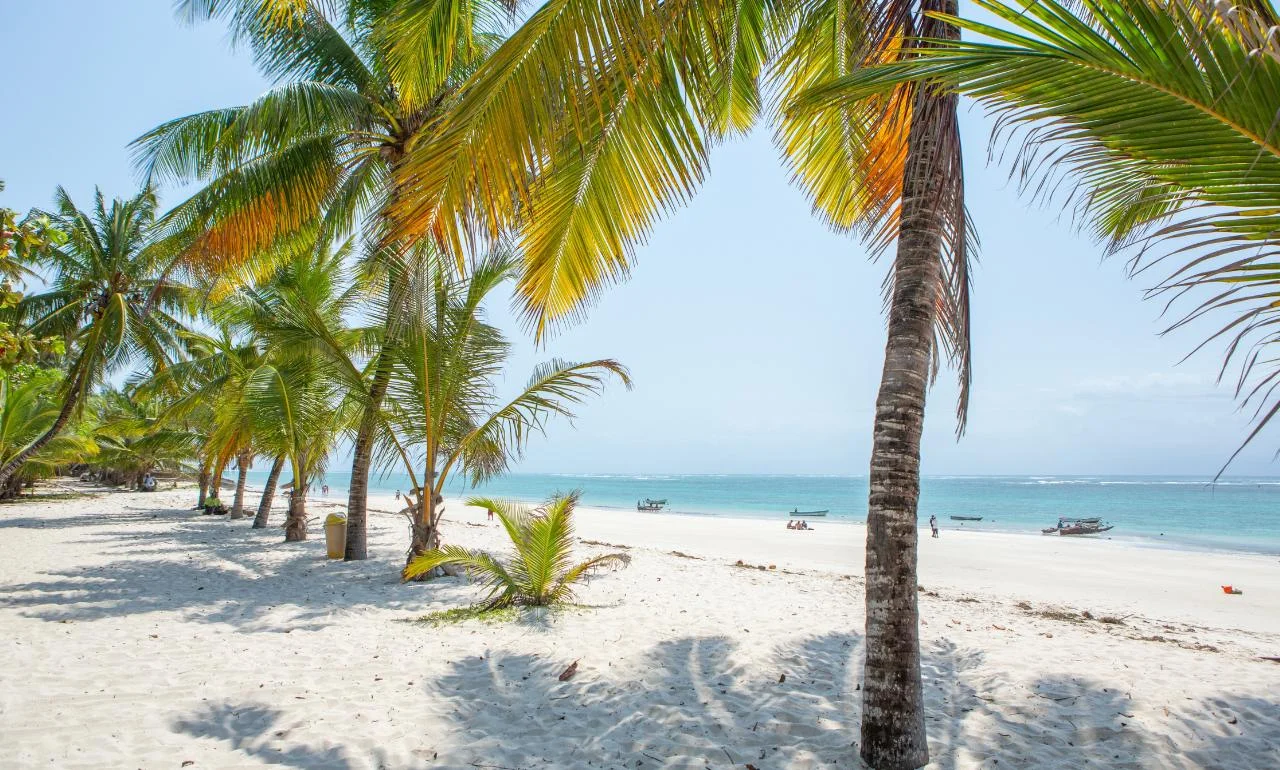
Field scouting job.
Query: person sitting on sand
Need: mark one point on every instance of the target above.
(802, 525)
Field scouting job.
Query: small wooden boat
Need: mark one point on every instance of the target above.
(803, 514)
(966, 518)
(650, 505)
(1068, 527)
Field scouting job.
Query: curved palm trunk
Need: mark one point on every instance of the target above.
(242, 464)
(204, 486)
(893, 729)
(362, 457)
(295, 527)
(268, 494)
(64, 416)
(216, 482)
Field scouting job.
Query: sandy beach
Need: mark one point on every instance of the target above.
(141, 634)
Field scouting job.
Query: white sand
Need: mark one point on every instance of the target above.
(139, 634)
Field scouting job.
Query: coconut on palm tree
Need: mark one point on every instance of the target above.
(540, 571)
(445, 415)
(106, 299)
(322, 144)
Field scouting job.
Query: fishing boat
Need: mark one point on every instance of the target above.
(966, 518)
(648, 504)
(799, 514)
(1090, 526)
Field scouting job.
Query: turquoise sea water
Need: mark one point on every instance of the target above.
(1235, 513)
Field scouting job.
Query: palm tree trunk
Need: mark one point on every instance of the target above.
(362, 458)
(295, 526)
(242, 464)
(204, 486)
(218, 470)
(426, 535)
(893, 729)
(268, 494)
(64, 416)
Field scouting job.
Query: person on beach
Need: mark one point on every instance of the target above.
(324, 490)
(397, 494)
(490, 512)
(933, 525)
(791, 525)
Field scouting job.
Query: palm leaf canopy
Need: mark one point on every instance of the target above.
(540, 571)
(1159, 119)
(28, 406)
(631, 96)
(108, 295)
(317, 147)
(442, 396)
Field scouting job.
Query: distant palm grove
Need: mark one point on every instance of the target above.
(414, 159)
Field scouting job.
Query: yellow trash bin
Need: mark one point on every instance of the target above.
(335, 535)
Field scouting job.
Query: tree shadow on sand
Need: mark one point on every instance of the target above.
(210, 570)
(696, 702)
(1078, 721)
(261, 731)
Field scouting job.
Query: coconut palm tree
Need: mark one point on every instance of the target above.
(444, 409)
(1158, 118)
(630, 97)
(28, 406)
(136, 437)
(294, 397)
(540, 572)
(105, 299)
(322, 142)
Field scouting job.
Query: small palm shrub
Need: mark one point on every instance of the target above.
(539, 572)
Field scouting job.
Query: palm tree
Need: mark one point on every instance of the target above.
(540, 572)
(294, 396)
(324, 141)
(268, 493)
(105, 299)
(1159, 117)
(27, 408)
(443, 402)
(135, 436)
(630, 96)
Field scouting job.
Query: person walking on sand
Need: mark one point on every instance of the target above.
(490, 512)
(933, 525)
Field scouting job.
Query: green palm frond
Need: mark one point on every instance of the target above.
(1159, 117)
(609, 145)
(540, 571)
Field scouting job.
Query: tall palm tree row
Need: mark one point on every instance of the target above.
(321, 145)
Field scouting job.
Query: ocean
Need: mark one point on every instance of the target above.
(1234, 514)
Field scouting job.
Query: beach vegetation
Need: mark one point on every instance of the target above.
(357, 84)
(539, 572)
(444, 415)
(112, 298)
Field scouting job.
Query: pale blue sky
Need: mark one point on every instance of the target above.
(754, 335)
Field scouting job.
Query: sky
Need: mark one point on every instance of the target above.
(754, 334)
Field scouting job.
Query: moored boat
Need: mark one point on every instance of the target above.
(648, 504)
(799, 514)
(966, 518)
(1090, 526)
